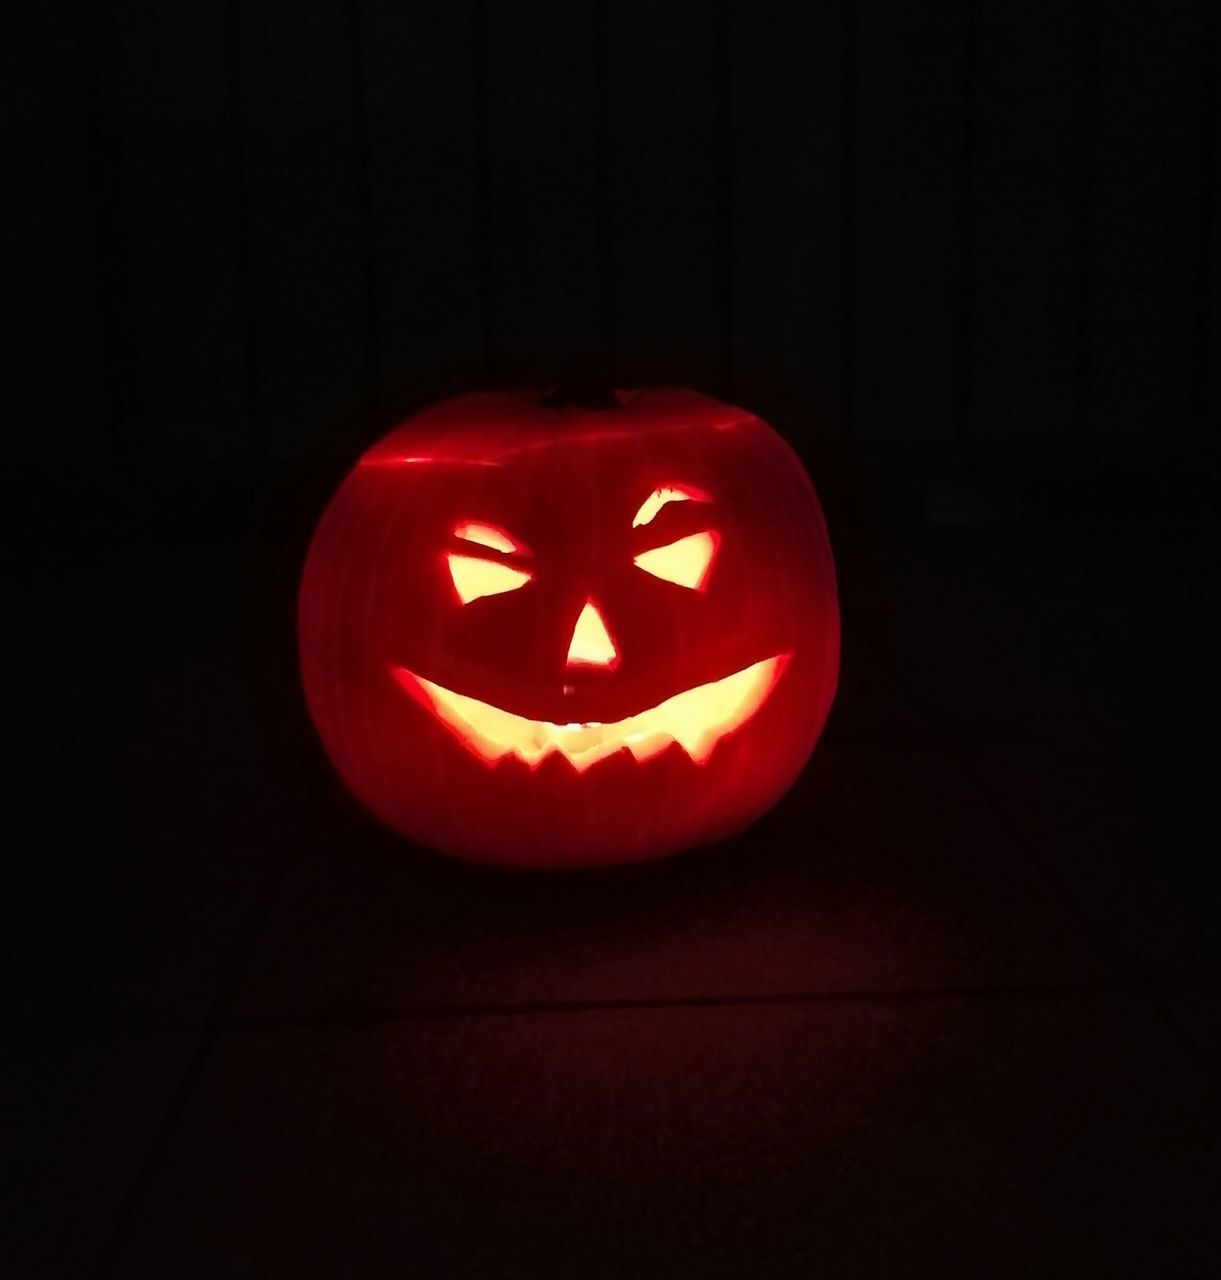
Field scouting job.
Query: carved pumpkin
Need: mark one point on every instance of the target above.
(555, 636)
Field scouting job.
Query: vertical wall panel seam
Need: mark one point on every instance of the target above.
(725, 246)
(1206, 302)
(113, 266)
(485, 248)
(848, 238)
(602, 190)
(1089, 54)
(370, 316)
(968, 104)
(242, 235)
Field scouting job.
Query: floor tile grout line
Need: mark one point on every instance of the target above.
(1155, 983)
(209, 1035)
(125, 1215)
(808, 1000)
(1107, 948)
(1178, 1029)
(1118, 959)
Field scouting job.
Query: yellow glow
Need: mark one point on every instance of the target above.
(659, 497)
(423, 459)
(696, 719)
(487, 535)
(591, 644)
(686, 561)
(474, 577)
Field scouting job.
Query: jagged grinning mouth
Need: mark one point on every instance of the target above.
(697, 719)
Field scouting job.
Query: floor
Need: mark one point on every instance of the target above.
(968, 1023)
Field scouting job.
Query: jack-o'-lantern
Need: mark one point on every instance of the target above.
(546, 635)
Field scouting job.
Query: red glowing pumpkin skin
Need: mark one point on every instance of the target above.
(532, 713)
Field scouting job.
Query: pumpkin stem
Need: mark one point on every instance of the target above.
(586, 384)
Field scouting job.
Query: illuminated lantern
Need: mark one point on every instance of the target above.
(545, 635)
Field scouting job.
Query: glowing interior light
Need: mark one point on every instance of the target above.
(686, 562)
(487, 535)
(696, 719)
(591, 644)
(659, 497)
(421, 459)
(474, 578)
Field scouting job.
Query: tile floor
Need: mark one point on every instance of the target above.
(952, 1009)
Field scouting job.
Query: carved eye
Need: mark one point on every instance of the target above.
(686, 562)
(667, 493)
(477, 576)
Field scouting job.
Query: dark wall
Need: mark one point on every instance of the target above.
(974, 231)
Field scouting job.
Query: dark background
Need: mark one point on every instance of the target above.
(952, 1008)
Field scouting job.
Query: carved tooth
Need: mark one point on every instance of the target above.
(696, 719)
(579, 737)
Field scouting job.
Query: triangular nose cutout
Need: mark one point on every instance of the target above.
(591, 645)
